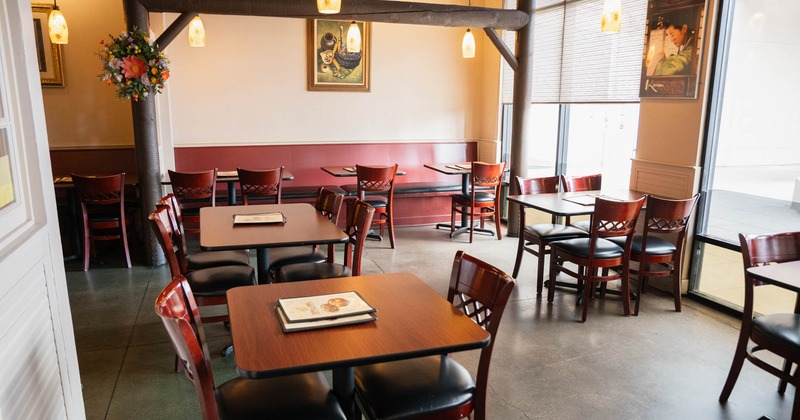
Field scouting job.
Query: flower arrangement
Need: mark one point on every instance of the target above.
(133, 65)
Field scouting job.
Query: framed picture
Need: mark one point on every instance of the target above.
(672, 48)
(330, 66)
(51, 70)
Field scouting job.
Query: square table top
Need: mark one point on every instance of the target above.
(785, 275)
(413, 320)
(304, 226)
(559, 205)
(344, 171)
(450, 168)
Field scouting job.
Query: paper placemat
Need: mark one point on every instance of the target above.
(227, 174)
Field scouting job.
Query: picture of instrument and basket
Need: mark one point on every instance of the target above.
(332, 65)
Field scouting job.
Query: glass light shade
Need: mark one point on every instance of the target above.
(468, 45)
(197, 33)
(329, 6)
(353, 38)
(612, 16)
(57, 27)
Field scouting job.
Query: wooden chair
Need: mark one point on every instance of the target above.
(359, 217)
(375, 185)
(778, 334)
(659, 250)
(479, 202)
(104, 216)
(209, 284)
(579, 184)
(438, 386)
(611, 219)
(264, 185)
(328, 203)
(201, 259)
(541, 234)
(194, 190)
(305, 396)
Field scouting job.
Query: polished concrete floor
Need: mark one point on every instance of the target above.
(659, 365)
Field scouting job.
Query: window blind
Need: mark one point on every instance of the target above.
(573, 62)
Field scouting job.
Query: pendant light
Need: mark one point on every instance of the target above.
(353, 38)
(329, 6)
(57, 26)
(612, 16)
(197, 33)
(468, 45)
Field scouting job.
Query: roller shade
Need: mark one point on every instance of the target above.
(573, 62)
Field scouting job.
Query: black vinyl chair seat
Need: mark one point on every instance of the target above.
(655, 245)
(480, 197)
(583, 225)
(207, 259)
(409, 388)
(781, 328)
(555, 232)
(313, 271)
(215, 281)
(300, 397)
(377, 202)
(604, 249)
(279, 257)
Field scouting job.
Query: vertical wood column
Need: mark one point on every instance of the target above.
(520, 116)
(146, 143)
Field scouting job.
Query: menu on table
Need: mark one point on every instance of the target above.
(322, 311)
(227, 174)
(258, 218)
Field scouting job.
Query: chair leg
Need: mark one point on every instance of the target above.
(87, 248)
(452, 220)
(471, 223)
(626, 290)
(518, 260)
(125, 244)
(390, 228)
(497, 225)
(736, 366)
(640, 279)
(551, 285)
(676, 283)
(787, 369)
(540, 269)
(588, 289)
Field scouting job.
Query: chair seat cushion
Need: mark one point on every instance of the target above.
(377, 202)
(409, 388)
(655, 246)
(604, 249)
(279, 257)
(782, 328)
(215, 281)
(207, 259)
(583, 225)
(480, 197)
(305, 396)
(312, 271)
(554, 232)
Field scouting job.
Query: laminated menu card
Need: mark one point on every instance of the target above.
(349, 169)
(227, 174)
(288, 326)
(244, 219)
(312, 308)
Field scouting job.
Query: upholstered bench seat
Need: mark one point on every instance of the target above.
(308, 191)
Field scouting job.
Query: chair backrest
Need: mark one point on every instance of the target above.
(481, 291)
(614, 218)
(582, 183)
(96, 191)
(170, 202)
(261, 184)
(668, 217)
(543, 185)
(359, 219)
(371, 179)
(487, 175)
(179, 314)
(170, 239)
(194, 187)
(329, 203)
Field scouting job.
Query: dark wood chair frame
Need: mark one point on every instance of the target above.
(481, 291)
(104, 216)
(664, 219)
(372, 180)
(261, 184)
(581, 183)
(763, 250)
(194, 190)
(485, 178)
(611, 218)
(530, 238)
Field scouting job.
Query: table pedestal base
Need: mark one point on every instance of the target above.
(463, 229)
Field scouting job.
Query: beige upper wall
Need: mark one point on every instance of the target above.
(86, 112)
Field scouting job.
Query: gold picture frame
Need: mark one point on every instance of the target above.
(330, 71)
(48, 55)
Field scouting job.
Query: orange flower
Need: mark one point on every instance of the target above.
(133, 67)
(165, 75)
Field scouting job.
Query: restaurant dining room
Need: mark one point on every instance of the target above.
(346, 209)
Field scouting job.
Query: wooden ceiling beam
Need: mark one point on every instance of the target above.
(361, 10)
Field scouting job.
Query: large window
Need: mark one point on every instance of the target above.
(752, 179)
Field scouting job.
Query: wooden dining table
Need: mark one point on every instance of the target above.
(346, 171)
(785, 275)
(463, 169)
(413, 320)
(303, 225)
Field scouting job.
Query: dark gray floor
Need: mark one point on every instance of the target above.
(659, 365)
